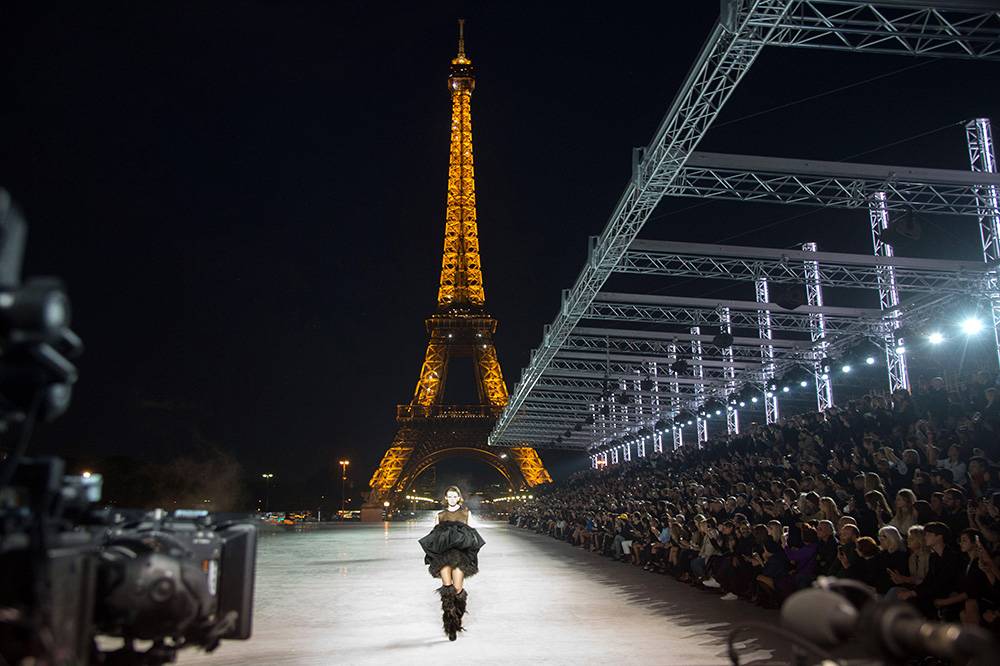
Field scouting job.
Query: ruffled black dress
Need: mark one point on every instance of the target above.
(452, 543)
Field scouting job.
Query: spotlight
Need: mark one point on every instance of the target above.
(718, 412)
(971, 325)
(647, 384)
(846, 368)
(826, 363)
(935, 337)
(690, 422)
(803, 383)
(870, 360)
(723, 339)
(900, 349)
(785, 389)
(768, 394)
(742, 404)
(680, 366)
(753, 399)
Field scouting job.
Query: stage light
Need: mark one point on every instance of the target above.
(901, 349)
(972, 325)
(935, 337)
(753, 399)
(723, 339)
(742, 404)
(785, 389)
(870, 360)
(717, 412)
(768, 394)
(803, 383)
(690, 422)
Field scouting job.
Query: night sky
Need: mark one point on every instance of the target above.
(246, 199)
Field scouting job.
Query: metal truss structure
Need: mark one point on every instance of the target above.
(616, 370)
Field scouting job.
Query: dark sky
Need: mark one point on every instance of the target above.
(246, 199)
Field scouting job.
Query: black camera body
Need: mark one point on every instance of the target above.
(70, 569)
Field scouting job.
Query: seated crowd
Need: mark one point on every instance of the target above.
(900, 493)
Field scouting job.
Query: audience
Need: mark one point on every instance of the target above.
(758, 515)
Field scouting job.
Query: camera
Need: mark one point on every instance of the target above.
(81, 583)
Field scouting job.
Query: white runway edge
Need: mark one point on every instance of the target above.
(360, 594)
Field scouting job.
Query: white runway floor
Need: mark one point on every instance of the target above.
(360, 594)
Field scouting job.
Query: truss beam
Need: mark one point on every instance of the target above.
(727, 262)
(828, 184)
(943, 29)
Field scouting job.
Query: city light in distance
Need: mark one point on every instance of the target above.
(935, 337)
(972, 325)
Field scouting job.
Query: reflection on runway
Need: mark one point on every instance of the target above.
(360, 594)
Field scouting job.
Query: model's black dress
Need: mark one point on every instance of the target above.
(452, 543)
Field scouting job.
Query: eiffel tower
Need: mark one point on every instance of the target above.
(429, 430)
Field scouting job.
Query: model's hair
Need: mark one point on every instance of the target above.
(461, 500)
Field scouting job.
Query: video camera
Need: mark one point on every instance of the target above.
(71, 570)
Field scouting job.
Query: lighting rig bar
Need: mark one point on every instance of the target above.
(699, 260)
(828, 184)
(955, 29)
(684, 310)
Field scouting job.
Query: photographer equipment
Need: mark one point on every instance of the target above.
(71, 570)
(818, 619)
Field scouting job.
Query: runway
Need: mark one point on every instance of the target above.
(360, 594)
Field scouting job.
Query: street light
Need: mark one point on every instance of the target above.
(343, 483)
(267, 490)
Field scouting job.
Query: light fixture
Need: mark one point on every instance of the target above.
(742, 404)
(971, 325)
(803, 383)
(870, 360)
(785, 389)
(901, 349)
(935, 337)
(753, 399)
(846, 368)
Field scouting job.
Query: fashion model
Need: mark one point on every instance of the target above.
(451, 551)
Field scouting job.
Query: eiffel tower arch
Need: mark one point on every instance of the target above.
(429, 429)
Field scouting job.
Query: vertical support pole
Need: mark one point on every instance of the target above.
(699, 389)
(766, 350)
(653, 370)
(729, 371)
(979, 137)
(675, 390)
(604, 457)
(817, 330)
(614, 456)
(888, 296)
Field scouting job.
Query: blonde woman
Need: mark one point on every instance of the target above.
(828, 507)
(906, 511)
(451, 551)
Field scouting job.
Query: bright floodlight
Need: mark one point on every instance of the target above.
(935, 338)
(742, 404)
(972, 325)
(753, 399)
(900, 349)
(785, 389)
(803, 383)
(870, 360)
(846, 368)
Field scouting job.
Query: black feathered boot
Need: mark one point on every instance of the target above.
(460, 600)
(449, 613)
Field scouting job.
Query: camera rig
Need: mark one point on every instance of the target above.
(71, 570)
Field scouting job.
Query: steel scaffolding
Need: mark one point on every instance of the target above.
(637, 365)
